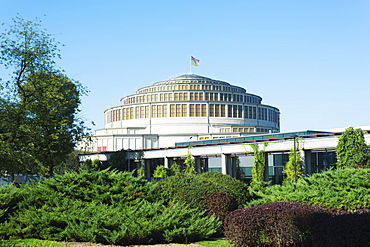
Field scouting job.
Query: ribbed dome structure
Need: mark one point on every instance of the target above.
(187, 106)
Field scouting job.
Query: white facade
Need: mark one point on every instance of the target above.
(188, 107)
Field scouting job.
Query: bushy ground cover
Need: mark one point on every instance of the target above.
(107, 207)
(114, 207)
(344, 189)
(325, 209)
(193, 189)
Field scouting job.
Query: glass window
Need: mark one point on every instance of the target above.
(204, 110)
(164, 111)
(217, 110)
(146, 111)
(211, 110)
(192, 110)
(197, 110)
(159, 110)
(223, 111)
(154, 111)
(184, 110)
(172, 110)
(230, 111)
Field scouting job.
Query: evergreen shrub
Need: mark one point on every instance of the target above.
(192, 189)
(107, 207)
(274, 224)
(343, 189)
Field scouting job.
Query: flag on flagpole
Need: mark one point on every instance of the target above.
(194, 61)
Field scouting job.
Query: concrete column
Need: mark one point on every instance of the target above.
(166, 162)
(197, 164)
(147, 172)
(225, 163)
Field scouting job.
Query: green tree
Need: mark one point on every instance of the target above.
(140, 165)
(189, 163)
(71, 163)
(38, 104)
(118, 161)
(51, 105)
(160, 172)
(293, 168)
(352, 150)
(175, 168)
(259, 166)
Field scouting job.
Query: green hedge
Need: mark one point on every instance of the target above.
(193, 189)
(346, 189)
(107, 207)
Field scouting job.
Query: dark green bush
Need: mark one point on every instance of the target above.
(192, 189)
(345, 189)
(100, 206)
(274, 224)
(10, 196)
(143, 223)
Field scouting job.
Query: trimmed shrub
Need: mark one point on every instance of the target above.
(348, 230)
(274, 224)
(344, 189)
(107, 207)
(143, 223)
(192, 189)
(10, 196)
(220, 204)
(106, 186)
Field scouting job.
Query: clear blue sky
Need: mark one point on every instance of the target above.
(311, 59)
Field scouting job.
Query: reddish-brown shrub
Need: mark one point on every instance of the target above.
(220, 204)
(274, 224)
(348, 230)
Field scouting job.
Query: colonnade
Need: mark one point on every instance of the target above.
(228, 163)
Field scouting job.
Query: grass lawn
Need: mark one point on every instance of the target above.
(29, 243)
(216, 243)
(46, 243)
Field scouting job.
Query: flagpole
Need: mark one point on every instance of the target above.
(190, 66)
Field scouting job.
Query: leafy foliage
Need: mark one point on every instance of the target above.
(352, 150)
(38, 103)
(219, 204)
(273, 224)
(109, 207)
(293, 168)
(160, 172)
(118, 161)
(348, 230)
(258, 170)
(175, 168)
(346, 189)
(189, 163)
(193, 189)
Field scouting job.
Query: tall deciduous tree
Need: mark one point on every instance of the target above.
(51, 107)
(352, 149)
(38, 104)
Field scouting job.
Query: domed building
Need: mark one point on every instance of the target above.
(187, 107)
